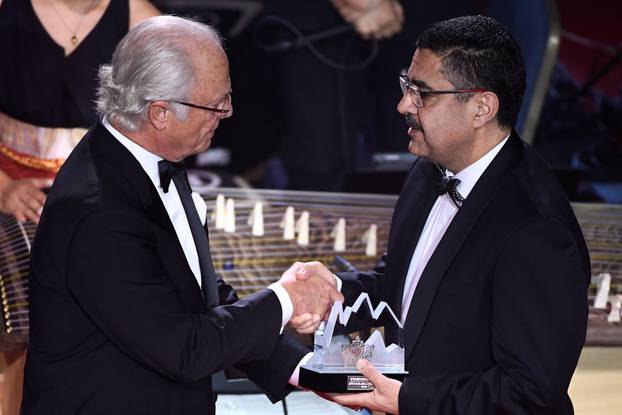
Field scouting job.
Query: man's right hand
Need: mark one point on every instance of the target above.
(24, 198)
(310, 292)
(306, 323)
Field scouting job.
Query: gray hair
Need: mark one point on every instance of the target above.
(152, 62)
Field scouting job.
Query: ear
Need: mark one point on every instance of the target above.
(487, 108)
(159, 114)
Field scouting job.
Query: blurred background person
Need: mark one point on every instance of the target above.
(336, 114)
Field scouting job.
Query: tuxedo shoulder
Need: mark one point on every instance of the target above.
(530, 199)
(536, 187)
(101, 173)
(89, 188)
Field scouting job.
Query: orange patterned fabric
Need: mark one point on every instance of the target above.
(31, 162)
(17, 171)
(29, 151)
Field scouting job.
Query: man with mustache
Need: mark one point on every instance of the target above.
(486, 264)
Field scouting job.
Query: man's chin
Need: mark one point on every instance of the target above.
(414, 147)
(199, 149)
(205, 145)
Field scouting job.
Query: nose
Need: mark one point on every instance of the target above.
(226, 114)
(406, 105)
(229, 102)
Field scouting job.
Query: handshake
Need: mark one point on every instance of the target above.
(312, 289)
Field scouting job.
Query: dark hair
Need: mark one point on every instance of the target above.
(479, 52)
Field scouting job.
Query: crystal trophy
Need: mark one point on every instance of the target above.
(333, 365)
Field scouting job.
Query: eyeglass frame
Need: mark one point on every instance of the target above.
(219, 111)
(407, 86)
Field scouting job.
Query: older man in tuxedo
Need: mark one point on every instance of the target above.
(127, 314)
(486, 264)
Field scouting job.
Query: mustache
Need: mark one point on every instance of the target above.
(412, 122)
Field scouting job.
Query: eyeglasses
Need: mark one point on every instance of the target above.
(219, 110)
(417, 95)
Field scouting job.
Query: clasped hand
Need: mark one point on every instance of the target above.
(312, 289)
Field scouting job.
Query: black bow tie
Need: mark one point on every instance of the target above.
(449, 185)
(177, 173)
(168, 170)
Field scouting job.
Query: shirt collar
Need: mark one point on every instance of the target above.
(469, 176)
(147, 160)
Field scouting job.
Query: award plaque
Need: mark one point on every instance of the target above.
(333, 365)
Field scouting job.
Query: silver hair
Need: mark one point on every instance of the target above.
(152, 62)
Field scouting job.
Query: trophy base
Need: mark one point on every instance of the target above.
(339, 382)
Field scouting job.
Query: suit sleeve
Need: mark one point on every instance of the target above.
(226, 293)
(354, 283)
(538, 325)
(115, 274)
(270, 374)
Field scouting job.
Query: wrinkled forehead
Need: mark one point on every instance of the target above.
(212, 73)
(204, 52)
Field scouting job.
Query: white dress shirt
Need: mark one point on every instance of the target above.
(172, 203)
(438, 221)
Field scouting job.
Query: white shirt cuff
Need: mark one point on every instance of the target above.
(339, 282)
(287, 308)
(293, 380)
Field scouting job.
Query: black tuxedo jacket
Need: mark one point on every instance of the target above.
(117, 320)
(498, 319)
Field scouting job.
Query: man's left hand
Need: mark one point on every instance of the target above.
(384, 398)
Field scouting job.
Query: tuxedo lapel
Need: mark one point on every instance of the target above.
(416, 200)
(454, 237)
(109, 150)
